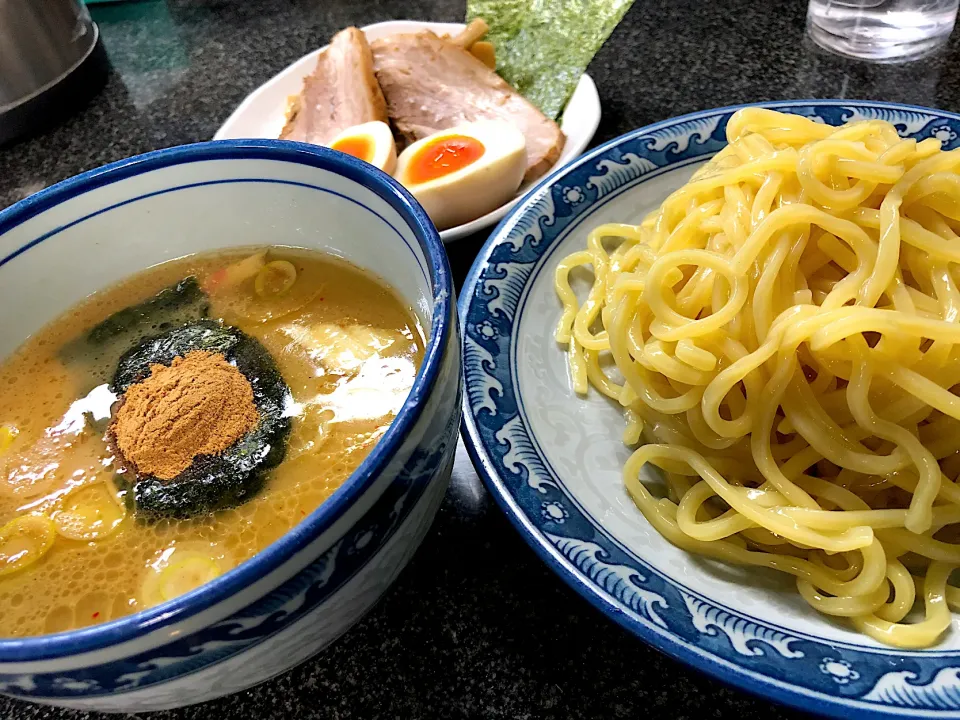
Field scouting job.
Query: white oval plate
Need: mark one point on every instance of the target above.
(263, 112)
(554, 461)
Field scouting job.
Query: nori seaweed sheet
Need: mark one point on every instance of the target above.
(544, 47)
(212, 482)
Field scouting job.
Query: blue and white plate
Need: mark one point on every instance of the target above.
(553, 461)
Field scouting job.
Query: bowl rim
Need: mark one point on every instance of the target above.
(761, 685)
(442, 324)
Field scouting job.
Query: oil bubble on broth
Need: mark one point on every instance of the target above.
(97, 519)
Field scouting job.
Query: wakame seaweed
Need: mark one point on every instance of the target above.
(156, 311)
(212, 482)
(103, 345)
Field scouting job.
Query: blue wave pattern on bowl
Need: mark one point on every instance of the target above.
(170, 656)
(285, 605)
(757, 655)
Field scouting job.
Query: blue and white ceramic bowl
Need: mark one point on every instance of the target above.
(554, 461)
(298, 595)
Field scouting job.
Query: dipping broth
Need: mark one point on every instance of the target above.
(82, 541)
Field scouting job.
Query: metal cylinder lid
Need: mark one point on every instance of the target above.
(51, 59)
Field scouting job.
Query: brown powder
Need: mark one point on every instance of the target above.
(199, 405)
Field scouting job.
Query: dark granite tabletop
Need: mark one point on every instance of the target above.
(476, 626)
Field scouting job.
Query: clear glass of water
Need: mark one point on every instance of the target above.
(881, 30)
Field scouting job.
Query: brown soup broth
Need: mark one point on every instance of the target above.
(348, 348)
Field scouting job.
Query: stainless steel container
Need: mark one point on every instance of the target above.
(50, 59)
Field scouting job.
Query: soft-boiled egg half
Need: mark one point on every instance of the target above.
(371, 142)
(465, 172)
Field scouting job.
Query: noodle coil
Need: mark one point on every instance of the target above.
(783, 334)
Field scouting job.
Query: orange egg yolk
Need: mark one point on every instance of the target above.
(360, 147)
(445, 156)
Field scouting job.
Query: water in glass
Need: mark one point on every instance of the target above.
(881, 30)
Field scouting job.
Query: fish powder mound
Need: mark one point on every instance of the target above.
(200, 420)
(198, 405)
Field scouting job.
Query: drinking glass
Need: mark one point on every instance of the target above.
(881, 30)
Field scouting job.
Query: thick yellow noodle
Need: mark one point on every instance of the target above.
(783, 334)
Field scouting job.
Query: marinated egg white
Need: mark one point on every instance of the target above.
(371, 142)
(464, 172)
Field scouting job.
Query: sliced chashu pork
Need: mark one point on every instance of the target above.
(433, 84)
(341, 92)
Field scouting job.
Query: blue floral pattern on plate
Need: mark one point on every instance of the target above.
(833, 678)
